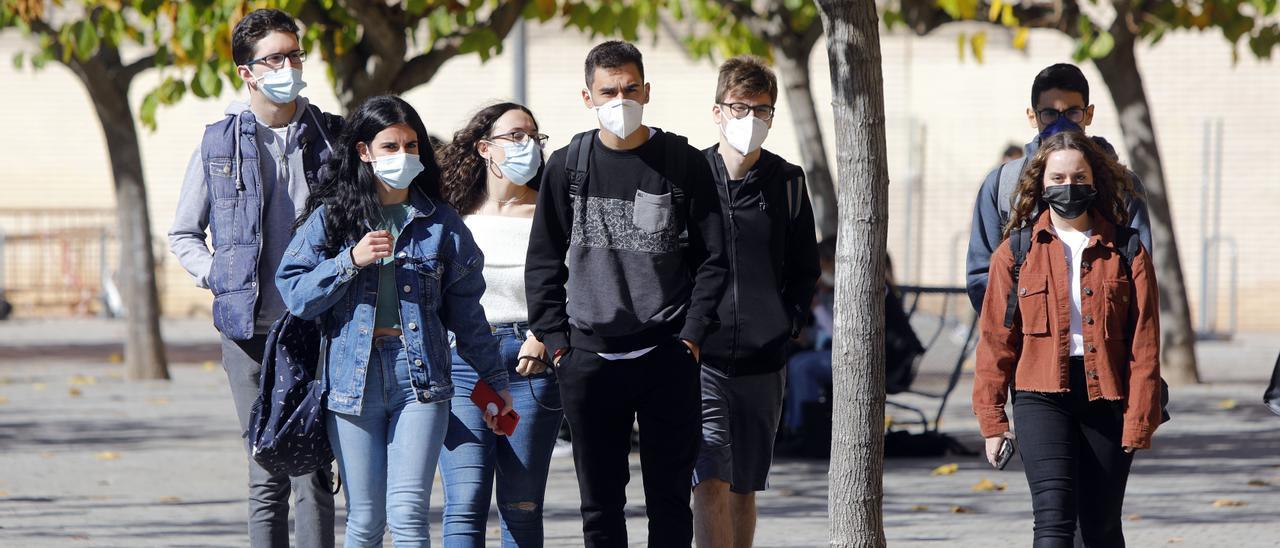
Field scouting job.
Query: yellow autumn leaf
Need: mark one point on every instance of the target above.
(1133, 517)
(1258, 483)
(919, 508)
(961, 43)
(1007, 18)
(1227, 404)
(107, 455)
(1020, 38)
(988, 485)
(1228, 503)
(960, 510)
(39, 386)
(74, 392)
(209, 366)
(115, 357)
(4, 400)
(945, 470)
(158, 400)
(170, 500)
(994, 12)
(4, 493)
(888, 421)
(82, 380)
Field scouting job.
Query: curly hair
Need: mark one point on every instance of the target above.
(462, 168)
(346, 188)
(1110, 179)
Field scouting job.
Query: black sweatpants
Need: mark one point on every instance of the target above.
(602, 399)
(1074, 463)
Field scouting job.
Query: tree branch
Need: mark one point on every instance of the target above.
(768, 26)
(924, 16)
(383, 38)
(132, 70)
(420, 69)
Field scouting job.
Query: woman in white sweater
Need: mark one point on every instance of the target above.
(490, 175)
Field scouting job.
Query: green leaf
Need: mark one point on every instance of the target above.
(147, 113)
(952, 7)
(415, 7)
(979, 45)
(960, 45)
(86, 40)
(18, 59)
(206, 82)
(1102, 45)
(892, 18)
(629, 23)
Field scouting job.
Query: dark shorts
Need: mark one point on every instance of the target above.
(739, 421)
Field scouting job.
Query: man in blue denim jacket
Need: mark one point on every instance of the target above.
(439, 275)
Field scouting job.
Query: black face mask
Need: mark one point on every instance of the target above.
(1070, 201)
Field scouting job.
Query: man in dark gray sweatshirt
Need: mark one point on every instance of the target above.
(624, 272)
(244, 186)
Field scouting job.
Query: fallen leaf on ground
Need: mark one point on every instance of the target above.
(209, 366)
(115, 357)
(107, 455)
(988, 485)
(83, 379)
(4, 493)
(79, 537)
(888, 421)
(1133, 517)
(4, 400)
(960, 510)
(1258, 483)
(1175, 540)
(945, 470)
(1227, 404)
(74, 392)
(1225, 503)
(919, 508)
(47, 455)
(170, 500)
(157, 400)
(6, 380)
(39, 386)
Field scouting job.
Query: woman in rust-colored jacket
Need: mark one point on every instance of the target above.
(1082, 354)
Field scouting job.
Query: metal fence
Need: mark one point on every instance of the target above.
(60, 262)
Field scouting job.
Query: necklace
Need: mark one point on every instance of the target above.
(510, 201)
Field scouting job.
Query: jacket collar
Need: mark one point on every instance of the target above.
(1103, 230)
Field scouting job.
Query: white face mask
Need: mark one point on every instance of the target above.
(521, 162)
(281, 86)
(746, 134)
(620, 116)
(398, 170)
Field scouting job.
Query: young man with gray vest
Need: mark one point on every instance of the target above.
(624, 271)
(772, 249)
(1059, 102)
(245, 185)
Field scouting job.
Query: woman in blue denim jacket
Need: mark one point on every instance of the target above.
(390, 270)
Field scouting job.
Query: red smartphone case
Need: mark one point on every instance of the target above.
(483, 395)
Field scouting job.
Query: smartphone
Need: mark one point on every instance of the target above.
(483, 396)
(1005, 454)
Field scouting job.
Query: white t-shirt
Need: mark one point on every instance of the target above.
(1074, 243)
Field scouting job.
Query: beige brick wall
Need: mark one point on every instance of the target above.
(969, 112)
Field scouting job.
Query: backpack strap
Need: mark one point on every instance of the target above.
(1019, 244)
(577, 159)
(1010, 174)
(676, 159)
(795, 186)
(1130, 242)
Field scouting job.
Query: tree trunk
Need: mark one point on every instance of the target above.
(144, 348)
(1120, 71)
(857, 437)
(793, 63)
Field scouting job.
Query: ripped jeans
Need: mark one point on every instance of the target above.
(474, 457)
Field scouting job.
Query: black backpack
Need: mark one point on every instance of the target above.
(578, 159)
(1020, 245)
(287, 423)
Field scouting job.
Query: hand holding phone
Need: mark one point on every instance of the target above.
(488, 400)
(1004, 453)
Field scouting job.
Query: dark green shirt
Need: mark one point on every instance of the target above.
(394, 217)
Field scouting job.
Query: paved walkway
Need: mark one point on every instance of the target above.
(87, 459)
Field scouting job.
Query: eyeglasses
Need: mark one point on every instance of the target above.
(740, 110)
(519, 137)
(277, 60)
(1050, 115)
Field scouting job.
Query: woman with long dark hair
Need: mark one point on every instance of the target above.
(490, 176)
(390, 270)
(1079, 346)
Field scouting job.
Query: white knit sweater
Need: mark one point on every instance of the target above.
(504, 241)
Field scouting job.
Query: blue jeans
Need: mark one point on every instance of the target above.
(387, 454)
(473, 454)
(807, 373)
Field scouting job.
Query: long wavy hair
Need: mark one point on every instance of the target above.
(1110, 179)
(346, 187)
(463, 170)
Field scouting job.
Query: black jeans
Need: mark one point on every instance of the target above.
(1075, 467)
(602, 399)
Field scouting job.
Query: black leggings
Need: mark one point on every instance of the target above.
(1075, 467)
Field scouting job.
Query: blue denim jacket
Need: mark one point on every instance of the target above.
(438, 278)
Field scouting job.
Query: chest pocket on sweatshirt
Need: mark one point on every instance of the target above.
(652, 213)
(1033, 302)
(1117, 308)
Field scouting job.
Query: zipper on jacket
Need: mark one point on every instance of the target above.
(732, 242)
